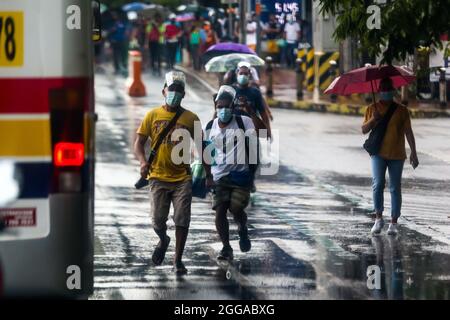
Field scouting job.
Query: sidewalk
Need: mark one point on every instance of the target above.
(285, 96)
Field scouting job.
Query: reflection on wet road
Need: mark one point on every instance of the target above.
(309, 226)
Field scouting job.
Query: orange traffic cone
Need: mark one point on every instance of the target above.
(135, 86)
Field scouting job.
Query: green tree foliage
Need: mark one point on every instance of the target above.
(405, 24)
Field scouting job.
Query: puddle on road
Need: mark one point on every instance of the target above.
(409, 269)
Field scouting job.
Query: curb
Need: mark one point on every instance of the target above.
(348, 109)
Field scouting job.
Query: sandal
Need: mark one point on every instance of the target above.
(160, 251)
(179, 268)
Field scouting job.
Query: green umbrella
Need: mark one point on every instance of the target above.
(230, 61)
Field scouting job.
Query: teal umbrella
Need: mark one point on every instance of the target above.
(230, 61)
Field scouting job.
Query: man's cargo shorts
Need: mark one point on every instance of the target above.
(225, 191)
(163, 193)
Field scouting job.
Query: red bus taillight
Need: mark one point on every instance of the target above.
(68, 154)
(68, 104)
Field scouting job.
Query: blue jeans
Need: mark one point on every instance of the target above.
(395, 168)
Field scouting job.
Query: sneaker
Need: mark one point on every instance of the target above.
(226, 253)
(393, 229)
(244, 242)
(179, 268)
(378, 226)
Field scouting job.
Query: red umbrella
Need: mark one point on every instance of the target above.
(367, 79)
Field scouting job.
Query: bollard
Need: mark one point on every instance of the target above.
(134, 84)
(269, 73)
(300, 77)
(333, 68)
(316, 92)
(442, 88)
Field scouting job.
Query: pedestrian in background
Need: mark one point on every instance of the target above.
(141, 27)
(391, 155)
(216, 26)
(172, 35)
(119, 43)
(223, 20)
(251, 96)
(211, 36)
(195, 42)
(272, 32)
(251, 28)
(292, 34)
(155, 35)
(169, 182)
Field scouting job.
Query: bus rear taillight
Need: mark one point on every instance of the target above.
(68, 105)
(68, 154)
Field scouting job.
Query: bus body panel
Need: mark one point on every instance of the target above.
(42, 267)
(51, 49)
(52, 231)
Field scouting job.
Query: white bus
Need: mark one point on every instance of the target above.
(47, 123)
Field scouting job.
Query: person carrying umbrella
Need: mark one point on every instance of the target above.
(249, 95)
(391, 153)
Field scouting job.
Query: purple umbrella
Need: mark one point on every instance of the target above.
(231, 46)
(223, 48)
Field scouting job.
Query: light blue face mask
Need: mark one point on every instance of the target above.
(224, 114)
(387, 95)
(242, 79)
(173, 98)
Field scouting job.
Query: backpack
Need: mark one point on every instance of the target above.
(240, 123)
(374, 142)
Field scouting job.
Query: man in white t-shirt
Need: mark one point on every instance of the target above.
(292, 35)
(231, 168)
(251, 32)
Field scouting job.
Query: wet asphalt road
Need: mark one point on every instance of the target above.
(309, 224)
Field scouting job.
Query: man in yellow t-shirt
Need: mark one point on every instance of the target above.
(391, 156)
(169, 181)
